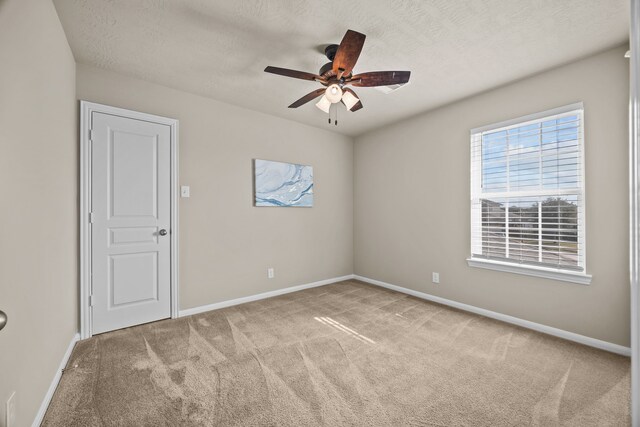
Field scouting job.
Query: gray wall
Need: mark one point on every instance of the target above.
(226, 244)
(38, 189)
(412, 201)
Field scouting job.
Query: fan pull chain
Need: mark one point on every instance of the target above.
(334, 108)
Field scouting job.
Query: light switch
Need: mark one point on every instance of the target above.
(184, 191)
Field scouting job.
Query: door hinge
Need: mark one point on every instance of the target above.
(90, 134)
(90, 300)
(91, 217)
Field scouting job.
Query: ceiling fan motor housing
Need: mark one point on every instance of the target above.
(330, 51)
(326, 67)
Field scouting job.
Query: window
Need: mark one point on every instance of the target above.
(527, 195)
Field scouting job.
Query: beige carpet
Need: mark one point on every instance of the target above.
(346, 354)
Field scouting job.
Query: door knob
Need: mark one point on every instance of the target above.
(3, 319)
(163, 232)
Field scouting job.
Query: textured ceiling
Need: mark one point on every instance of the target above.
(453, 48)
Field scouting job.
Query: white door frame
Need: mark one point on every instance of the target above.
(86, 109)
(634, 207)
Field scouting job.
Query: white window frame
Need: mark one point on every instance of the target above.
(580, 277)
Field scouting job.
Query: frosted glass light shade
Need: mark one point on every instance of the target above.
(333, 93)
(324, 104)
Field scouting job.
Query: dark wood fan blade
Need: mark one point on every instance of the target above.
(358, 105)
(348, 53)
(380, 78)
(293, 73)
(308, 97)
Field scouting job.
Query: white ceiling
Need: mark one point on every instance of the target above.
(219, 48)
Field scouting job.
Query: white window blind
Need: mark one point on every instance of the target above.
(527, 191)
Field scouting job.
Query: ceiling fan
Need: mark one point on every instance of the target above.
(336, 75)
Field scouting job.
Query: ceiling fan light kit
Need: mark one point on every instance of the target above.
(333, 93)
(324, 104)
(349, 100)
(336, 75)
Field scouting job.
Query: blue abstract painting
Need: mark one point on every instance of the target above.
(283, 184)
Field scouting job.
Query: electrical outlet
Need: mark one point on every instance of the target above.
(271, 273)
(10, 413)
(435, 277)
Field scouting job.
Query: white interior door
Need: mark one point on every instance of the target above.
(130, 222)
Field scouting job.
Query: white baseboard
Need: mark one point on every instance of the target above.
(229, 303)
(54, 384)
(560, 333)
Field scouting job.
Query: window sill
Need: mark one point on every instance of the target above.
(529, 270)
